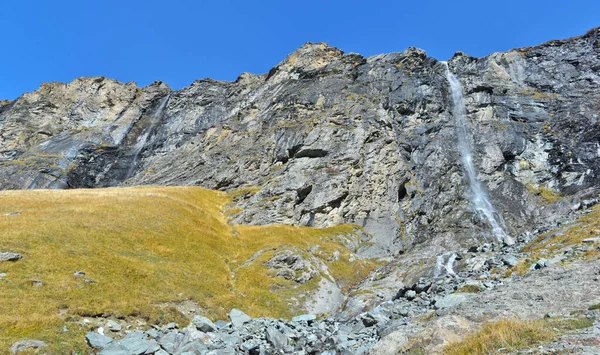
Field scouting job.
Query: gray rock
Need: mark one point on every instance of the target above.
(592, 240)
(238, 318)
(250, 345)
(8, 256)
(203, 324)
(152, 333)
(116, 349)
(452, 300)
(170, 341)
(136, 342)
(24, 345)
(153, 347)
(98, 341)
(510, 260)
(304, 318)
(277, 339)
(221, 323)
(113, 326)
(195, 346)
(542, 263)
(2, 275)
(410, 295)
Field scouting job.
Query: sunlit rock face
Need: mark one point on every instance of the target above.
(332, 138)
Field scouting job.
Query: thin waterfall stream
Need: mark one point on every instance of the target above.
(143, 138)
(478, 196)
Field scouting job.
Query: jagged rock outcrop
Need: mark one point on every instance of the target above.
(334, 138)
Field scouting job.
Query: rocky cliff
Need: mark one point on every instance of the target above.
(327, 137)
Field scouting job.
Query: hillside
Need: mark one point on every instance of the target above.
(157, 254)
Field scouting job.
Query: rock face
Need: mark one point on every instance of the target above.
(332, 138)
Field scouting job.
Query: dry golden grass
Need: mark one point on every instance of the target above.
(514, 334)
(508, 334)
(143, 247)
(585, 227)
(547, 195)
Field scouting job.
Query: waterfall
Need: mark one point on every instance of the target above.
(448, 266)
(479, 197)
(142, 139)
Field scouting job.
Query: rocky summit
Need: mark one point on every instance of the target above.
(471, 184)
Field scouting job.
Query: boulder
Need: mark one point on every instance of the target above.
(238, 318)
(203, 324)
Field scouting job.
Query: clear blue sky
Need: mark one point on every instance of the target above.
(180, 41)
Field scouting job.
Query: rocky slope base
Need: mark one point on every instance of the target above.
(557, 298)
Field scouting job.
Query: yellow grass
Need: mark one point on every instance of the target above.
(507, 334)
(144, 247)
(585, 227)
(514, 334)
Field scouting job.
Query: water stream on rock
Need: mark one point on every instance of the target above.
(448, 266)
(479, 197)
(143, 138)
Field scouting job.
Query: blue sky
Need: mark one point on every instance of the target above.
(180, 41)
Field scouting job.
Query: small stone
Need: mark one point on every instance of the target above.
(304, 318)
(98, 341)
(542, 263)
(250, 345)
(171, 326)
(204, 324)
(422, 287)
(152, 333)
(16, 213)
(410, 295)
(2, 275)
(78, 274)
(36, 283)
(221, 323)
(368, 320)
(592, 240)
(113, 326)
(238, 318)
(510, 261)
(135, 342)
(196, 346)
(24, 345)
(116, 349)
(276, 338)
(8, 256)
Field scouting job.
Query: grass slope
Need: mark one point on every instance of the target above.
(145, 248)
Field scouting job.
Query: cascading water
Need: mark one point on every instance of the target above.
(448, 266)
(143, 138)
(478, 196)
